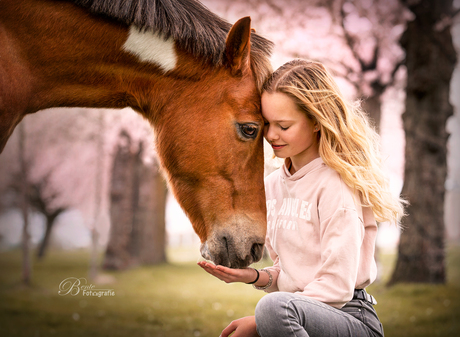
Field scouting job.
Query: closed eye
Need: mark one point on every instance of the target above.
(266, 123)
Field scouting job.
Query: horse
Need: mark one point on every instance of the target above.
(195, 78)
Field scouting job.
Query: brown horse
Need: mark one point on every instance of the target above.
(193, 76)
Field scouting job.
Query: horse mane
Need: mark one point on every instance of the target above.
(194, 27)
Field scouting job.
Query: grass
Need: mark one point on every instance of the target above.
(420, 309)
(179, 299)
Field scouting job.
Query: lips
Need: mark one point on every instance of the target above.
(277, 147)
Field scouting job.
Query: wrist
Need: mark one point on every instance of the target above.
(256, 277)
(266, 280)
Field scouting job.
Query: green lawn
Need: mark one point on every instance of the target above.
(179, 299)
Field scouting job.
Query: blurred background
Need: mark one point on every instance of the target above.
(95, 198)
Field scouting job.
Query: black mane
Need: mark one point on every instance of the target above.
(188, 22)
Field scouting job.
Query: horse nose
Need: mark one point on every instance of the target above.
(257, 250)
(237, 252)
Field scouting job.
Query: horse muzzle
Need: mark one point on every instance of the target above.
(231, 251)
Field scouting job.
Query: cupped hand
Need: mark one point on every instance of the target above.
(229, 275)
(243, 327)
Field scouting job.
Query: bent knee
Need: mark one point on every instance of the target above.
(270, 304)
(269, 311)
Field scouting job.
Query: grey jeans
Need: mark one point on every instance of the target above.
(282, 314)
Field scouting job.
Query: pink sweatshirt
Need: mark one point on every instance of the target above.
(320, 238)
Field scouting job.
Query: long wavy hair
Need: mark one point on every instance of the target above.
(347, 142)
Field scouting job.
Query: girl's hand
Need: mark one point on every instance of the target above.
(229, 275)
(243, 327)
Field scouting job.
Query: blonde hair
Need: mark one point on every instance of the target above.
(347, 142)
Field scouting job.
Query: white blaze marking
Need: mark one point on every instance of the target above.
(151, 47)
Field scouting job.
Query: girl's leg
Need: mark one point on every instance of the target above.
(283, 314)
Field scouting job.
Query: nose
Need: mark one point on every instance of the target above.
(234, 253)
(237, 255)
(270, 133)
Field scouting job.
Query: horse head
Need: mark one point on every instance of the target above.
(198, 85)
(213, 156)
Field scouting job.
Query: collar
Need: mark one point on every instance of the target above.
(311, 166)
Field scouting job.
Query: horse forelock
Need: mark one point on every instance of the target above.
(189, 23)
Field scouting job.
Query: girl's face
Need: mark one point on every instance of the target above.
(288, 130)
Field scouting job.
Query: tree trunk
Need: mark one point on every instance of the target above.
(137, 220)
(137, 212)
(430, 61)
(117, 254)
(50, 219)
(372, 105)
(99, 175)
(152, 207)
(26, 260)
(148, 241)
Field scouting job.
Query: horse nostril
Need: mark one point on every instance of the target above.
(257, 251)
(225, 242)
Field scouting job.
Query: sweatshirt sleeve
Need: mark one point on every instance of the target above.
(341, 238)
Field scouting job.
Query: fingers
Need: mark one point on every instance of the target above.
(214, 271)
(243, 327)
(225, 274)
(207, 265)
(229, 329)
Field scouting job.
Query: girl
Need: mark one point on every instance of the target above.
(321, 210)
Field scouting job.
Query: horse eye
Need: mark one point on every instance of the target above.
(249, 130)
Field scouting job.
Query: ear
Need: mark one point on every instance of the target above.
(316, 128)
(238, 46)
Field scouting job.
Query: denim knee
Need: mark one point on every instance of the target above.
(282, 314)
(268, 305)
(268, 314)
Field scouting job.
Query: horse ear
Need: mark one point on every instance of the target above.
(238, 46)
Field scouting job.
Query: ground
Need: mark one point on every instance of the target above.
(179, 299)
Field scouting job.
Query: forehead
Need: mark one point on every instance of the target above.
(279, 106)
